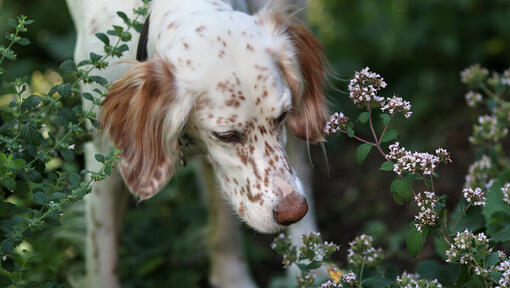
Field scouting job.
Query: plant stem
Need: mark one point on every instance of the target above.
(377, 141)
(361, 273)
(461, 215)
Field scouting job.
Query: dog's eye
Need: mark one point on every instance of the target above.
(229, 136)
(280, 118)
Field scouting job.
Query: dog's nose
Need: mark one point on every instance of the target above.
(290, 209)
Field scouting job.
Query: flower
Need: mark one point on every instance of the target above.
(337, 122)
(479, 172)
(475, 197)
(331, 284)
(364, 86)
(474, 75)
(349, 278)
(506, 77)
(504, 281)
(407, 280)
(488, 130)
(415, 162)
(396, 104)
(473, 98)
(427, 216)
(465, 246)
(505, 190)
(361, 252)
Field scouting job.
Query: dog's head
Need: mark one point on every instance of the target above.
(234, 82)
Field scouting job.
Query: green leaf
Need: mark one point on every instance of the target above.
(67, 154)
(8, 264)
(124, 17)
(34, 176)
(74, 178)
(387, 166)
(492, 259)
(402, 187)
(415, 240)
(389, 135)
(30, 102)
(23, 42)
(386, 118)
(363, 117)
(40, 198)
(100, 158)
(476, 282)
(95, 57)
(10, 183)
(12, 23)
(104, 38)
(99, 80)
(397, 199)
(362, 152)
(68, 66)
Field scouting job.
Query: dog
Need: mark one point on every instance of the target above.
(229, 83)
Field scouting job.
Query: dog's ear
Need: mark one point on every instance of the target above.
(308, 120)
(301, 59)
(143, 115)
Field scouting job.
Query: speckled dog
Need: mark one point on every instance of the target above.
(231, 82)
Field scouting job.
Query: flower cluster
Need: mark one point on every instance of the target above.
(407, 280)
(473, 98)
(349, 278)
(305, 280)
(337, 122)
(427, 216)
(396, 104)
(474, 75)
(506, 77)
(364, 86)
(505, 190)
(465, 246)
(361, 251)
(504, 268)
(475, 197)
(488, 130)
(331, 284)
(416, 162)
(283, 246)
(479, 172)
(314, 249)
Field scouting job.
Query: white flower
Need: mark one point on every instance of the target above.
(71, 146)
(475, 197)
(473, 98)
(396, 104)
(364, 86)
(337, 122)
(349, 278)
(505, 190)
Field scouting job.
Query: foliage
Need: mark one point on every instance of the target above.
(38, 130)
(487, 187)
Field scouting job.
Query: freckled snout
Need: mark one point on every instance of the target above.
(292, 207)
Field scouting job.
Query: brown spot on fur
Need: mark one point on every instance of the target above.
(243, 155)
(242, 210)
(232, 102)
(186, 46)
(249, 47)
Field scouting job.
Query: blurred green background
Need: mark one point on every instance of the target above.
(419, 47)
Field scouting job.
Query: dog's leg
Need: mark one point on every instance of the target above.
(104, 209)
(228, 264)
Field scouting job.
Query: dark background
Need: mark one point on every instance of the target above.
(419, 47)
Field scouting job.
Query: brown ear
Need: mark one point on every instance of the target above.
(134, 116)
(308, 120)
